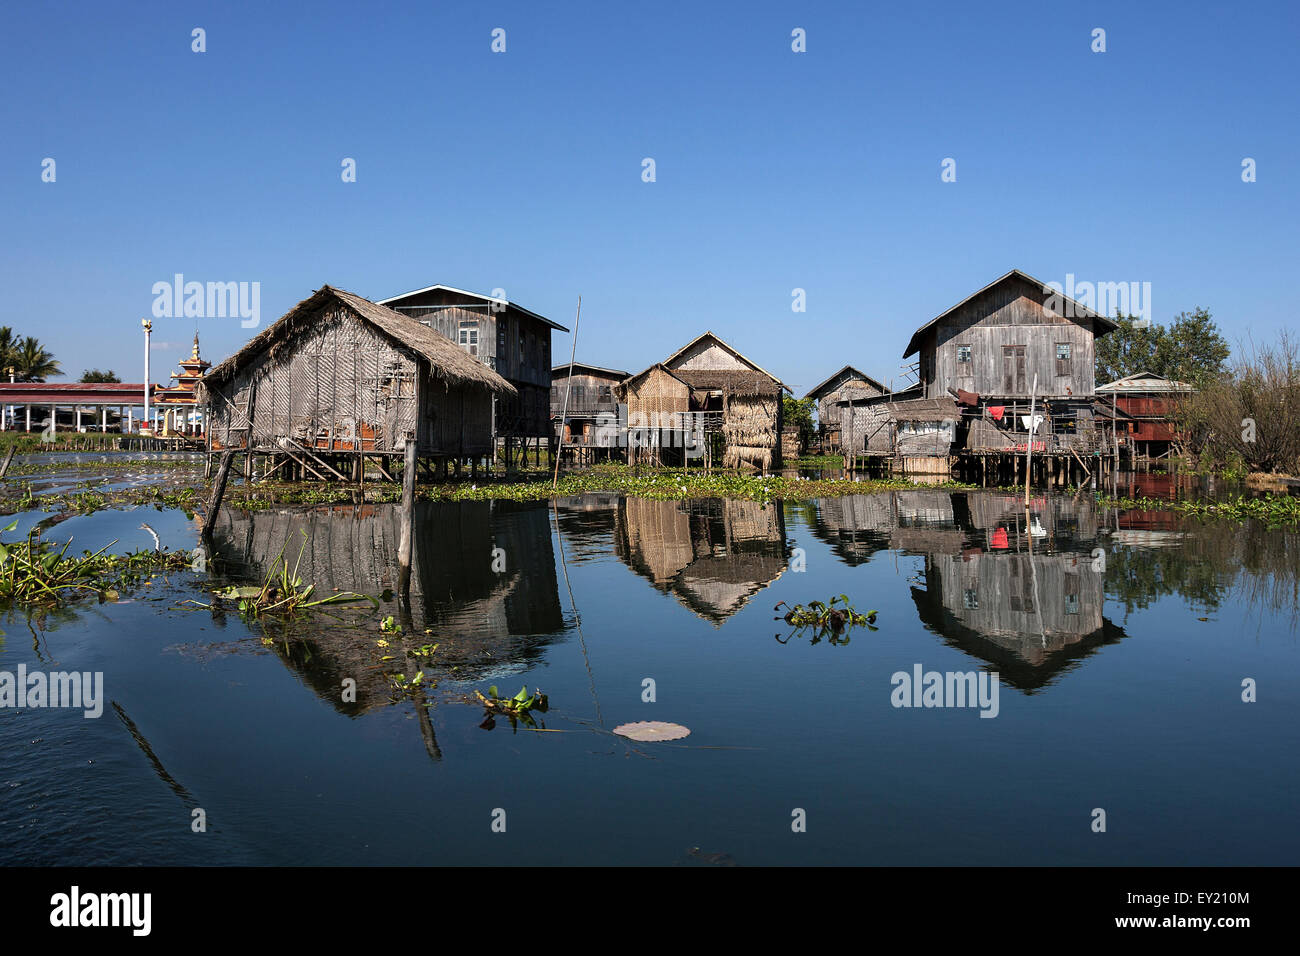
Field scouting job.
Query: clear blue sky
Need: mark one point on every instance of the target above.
(522, 170)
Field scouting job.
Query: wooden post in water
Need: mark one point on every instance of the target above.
(1029, 444)
(408, 508)
(9, 457)
(218, 492)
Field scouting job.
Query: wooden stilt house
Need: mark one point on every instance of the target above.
(339, 378)
(584, 411)
(708, 389)
(512, 341)
(847, 383)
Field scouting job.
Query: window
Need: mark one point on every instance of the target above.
(469, 337)
(1062, 358)
(963, 354)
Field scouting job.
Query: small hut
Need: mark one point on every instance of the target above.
(847, 383)
(584, 410)
(339, 378)
(708, 389)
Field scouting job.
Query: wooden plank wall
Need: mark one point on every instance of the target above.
(1010, 314)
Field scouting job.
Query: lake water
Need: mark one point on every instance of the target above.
(1120, 643)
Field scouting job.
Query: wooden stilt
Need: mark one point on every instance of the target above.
(408, 508)
(218, 492)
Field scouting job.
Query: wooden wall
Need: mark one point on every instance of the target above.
(341, 385)
(592, 393)
(1011, 314)
(828, 413)
(512, 343)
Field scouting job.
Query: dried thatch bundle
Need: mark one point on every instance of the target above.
(749, 430)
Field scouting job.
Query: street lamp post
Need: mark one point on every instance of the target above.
(144, 422)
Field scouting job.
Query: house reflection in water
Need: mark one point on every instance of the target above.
(712, 555)
(488, 623)
(1023, 596)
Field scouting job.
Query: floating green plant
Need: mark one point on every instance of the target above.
(284, 592)
(825, 620)
(517, 709)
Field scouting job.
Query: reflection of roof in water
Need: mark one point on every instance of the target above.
(1021, 595)
(712, 555)
(481, 618)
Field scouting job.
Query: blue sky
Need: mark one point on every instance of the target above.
(522, 170)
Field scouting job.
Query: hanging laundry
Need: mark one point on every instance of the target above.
(1024, 420)
(997, 411)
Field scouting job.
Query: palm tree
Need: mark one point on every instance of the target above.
(6, 349)
(32, 362)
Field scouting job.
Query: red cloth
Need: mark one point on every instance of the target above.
(996, 411)
(1000, 538)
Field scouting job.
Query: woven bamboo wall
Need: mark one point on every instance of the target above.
(340, 385)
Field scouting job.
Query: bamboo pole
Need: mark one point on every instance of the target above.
(1029, 443)
(568, 385)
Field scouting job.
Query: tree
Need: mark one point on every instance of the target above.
(799, 411)
(6, 349)
(94, 375)
(32, 362)
(1190, 349)
(1252, 413)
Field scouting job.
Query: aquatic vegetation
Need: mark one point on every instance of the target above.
(652, 730)
(1274, 510)
(35, 572)
(284, 592)
(389, 625)
(517, 709)
(826, 620)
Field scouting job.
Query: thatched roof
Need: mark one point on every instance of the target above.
(1102, 324)
(446, 360)
(734, 380)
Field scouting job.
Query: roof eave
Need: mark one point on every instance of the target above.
(475, 295)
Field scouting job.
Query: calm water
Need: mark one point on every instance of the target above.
(1121, 643)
